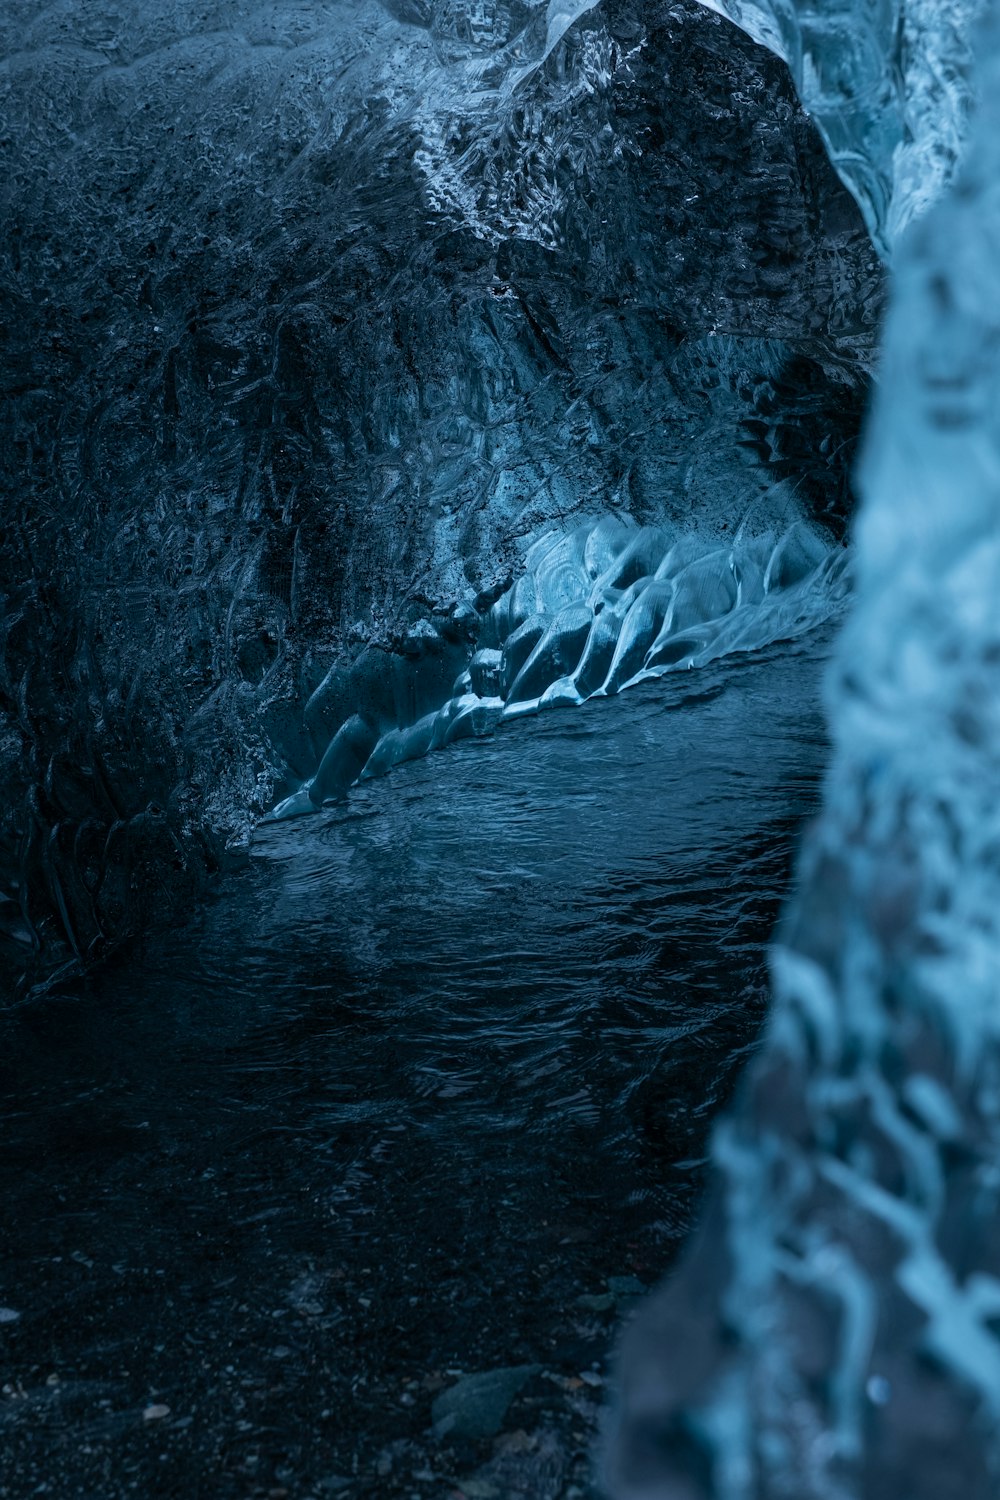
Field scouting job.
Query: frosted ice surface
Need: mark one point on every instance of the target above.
(887, 84)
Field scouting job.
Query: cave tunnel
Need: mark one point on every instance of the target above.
(499, 739)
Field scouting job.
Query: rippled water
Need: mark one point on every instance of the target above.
(430, 1069)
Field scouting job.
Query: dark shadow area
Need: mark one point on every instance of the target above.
(424, 1091)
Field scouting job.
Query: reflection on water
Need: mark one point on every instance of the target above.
(430, 1069)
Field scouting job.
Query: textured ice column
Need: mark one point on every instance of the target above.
(887, 83)
(834, 1330)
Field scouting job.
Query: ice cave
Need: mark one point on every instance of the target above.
(500, 749)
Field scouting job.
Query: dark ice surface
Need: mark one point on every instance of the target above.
(431, 1070)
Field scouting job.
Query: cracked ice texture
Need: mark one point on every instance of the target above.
(888, 83)
(834, 1331)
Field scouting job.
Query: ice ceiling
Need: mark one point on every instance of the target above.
(320, 318)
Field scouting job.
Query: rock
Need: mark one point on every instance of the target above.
(601, 1302)
(525, 1465)
(628, 1292)
(477, 1405)
(625, 1286)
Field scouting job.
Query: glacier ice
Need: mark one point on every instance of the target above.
(556, 654)
(832, 1333)
(889, 86)
(612, 604)
(315, 314)
(375, 373)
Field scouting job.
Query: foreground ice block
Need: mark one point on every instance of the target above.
(833, 1332)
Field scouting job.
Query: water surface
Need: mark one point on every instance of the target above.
(429, 1071)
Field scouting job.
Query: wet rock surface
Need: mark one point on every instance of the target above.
(477, 1405)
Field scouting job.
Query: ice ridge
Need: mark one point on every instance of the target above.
(597, 609)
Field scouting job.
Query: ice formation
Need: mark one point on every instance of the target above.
(312, 319)
(315, 312)
(834, 1332)
(889, 86)
(597, 609)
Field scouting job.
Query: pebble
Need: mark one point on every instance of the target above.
(625, 1286)
(479, 1489)
(477, 1405)
(599, 1302)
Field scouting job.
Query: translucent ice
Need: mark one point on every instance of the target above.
(615, 604)
(556, 654)
(315, 314)
(889, 86)
(639, 629)
(833, 1332)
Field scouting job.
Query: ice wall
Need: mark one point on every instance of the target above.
(888, 83)
(314, 322)
(834, 1332)
(596, 610)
